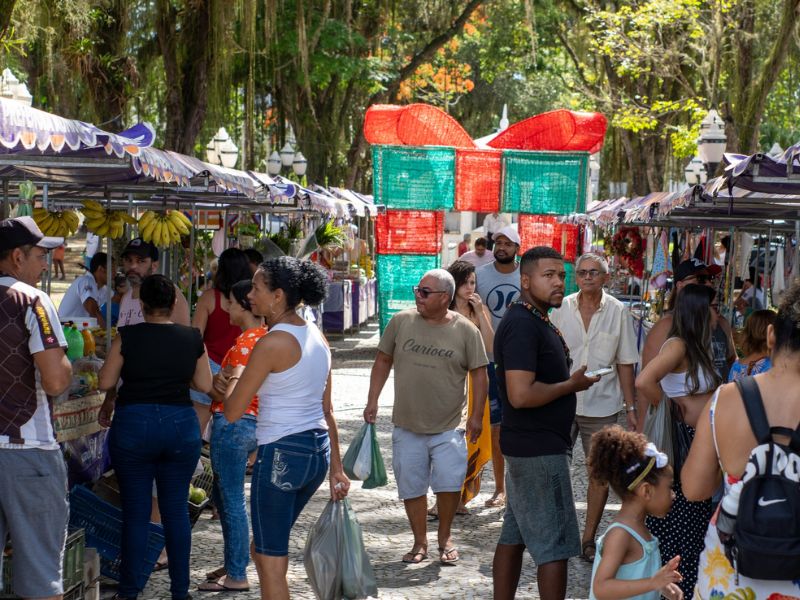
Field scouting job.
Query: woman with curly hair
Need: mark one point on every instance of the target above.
(684, 372)
(290, 372)
(628, 562)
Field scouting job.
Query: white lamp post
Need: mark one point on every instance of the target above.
(221, 150)
(695, 172)
(299, 164)
(711, 144)
(287, 155)
(274, 163)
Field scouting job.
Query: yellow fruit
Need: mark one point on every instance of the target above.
(102, 231)
(147, 231)
(177, 223)
(157, 233)
(93, 205)
(145, 220)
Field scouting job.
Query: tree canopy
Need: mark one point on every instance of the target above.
(271, 70)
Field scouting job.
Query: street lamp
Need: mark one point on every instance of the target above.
(12, 89)
(695, 172)
(287, 155)
(711, 144)
(221, 150)
(274, 163)
(299, 164)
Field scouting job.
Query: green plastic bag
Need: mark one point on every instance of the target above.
(355, 570)
(377, 475)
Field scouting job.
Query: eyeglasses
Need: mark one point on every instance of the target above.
(424, 292)
(584, 273)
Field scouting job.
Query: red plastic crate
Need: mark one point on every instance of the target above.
(545, 230)
(478, 179)
(410, 232)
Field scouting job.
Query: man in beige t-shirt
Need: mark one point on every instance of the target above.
(432, 349)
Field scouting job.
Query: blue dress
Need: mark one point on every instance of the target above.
(644, 568)
(740, 369)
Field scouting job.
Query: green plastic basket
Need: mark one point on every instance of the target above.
(545, 183)
(397, 275)
(414, 177)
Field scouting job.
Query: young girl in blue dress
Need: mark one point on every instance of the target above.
(628, 563)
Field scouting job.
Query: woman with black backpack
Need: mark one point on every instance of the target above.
(752, 546)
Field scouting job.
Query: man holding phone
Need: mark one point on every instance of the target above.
(599, 333)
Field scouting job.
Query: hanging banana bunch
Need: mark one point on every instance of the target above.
(104, 222)
(164, 229)
(62, 223)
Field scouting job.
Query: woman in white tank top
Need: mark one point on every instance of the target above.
(296, 431)
(684, 371)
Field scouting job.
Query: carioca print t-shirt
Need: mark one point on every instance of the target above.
(431, 363)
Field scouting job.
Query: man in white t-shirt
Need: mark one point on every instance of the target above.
(598, 330)
(87, 293)
(493, 223)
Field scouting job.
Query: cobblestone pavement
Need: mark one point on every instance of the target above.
(386, 532)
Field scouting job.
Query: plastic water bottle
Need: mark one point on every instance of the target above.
(726, 519)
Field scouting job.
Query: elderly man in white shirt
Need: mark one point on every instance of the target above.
(599, 332)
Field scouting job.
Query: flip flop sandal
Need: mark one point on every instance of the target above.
(586, 548)
(160, 566)
(216, 574)
(216, 586)
(414, 558)
(444, 556)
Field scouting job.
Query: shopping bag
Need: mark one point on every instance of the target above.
(377, 474)
(363, 465)
(321, 556)
(658, 427)
(358, 578)
(353, 453)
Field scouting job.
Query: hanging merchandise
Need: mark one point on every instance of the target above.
(628, 246)
(778, 279)
(744, 246)
(662, 266)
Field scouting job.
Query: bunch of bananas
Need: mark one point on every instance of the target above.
(164, 229)
(61, 223)
(104, 222)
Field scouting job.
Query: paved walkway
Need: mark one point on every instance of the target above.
(386, 532)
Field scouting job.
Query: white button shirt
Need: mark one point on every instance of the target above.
(609, 341)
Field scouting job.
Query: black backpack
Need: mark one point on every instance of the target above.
(766, 536)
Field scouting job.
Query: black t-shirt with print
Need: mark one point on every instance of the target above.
(524, 342)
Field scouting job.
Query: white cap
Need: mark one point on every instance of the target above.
(508, 231)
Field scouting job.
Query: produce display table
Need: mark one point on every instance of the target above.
(337, 315)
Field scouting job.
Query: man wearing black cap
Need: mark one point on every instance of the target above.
(689, 271)
(140, 259)
(33, 366)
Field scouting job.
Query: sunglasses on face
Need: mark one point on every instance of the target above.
(424, 292)
(584, 273)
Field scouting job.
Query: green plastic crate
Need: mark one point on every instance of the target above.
(397, 275)
(544, 183)
(414, 177)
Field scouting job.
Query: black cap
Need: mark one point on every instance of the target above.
(695, 266)
(141, 249)
(23, 231)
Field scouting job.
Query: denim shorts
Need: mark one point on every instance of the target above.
(495, 405)
(421, 461)
(540, 509)
(200, 397)
(285, 476)
(33, 507)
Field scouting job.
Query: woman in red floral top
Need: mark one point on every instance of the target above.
(231, 443)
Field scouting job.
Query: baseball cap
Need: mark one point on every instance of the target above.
(508, 231)
(22, 231)
(695, 266)
(141, 248)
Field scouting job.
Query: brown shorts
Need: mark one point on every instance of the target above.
(586, 426)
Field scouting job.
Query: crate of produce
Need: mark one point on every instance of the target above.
(545, 183)
(102, 523)
(414, 177)
(72, 571)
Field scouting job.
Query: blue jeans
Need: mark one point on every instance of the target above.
(285, 476)
(230, 445)
(161, 442)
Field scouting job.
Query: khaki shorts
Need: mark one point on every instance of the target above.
(588, 426)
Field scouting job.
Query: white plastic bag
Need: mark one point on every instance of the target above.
(363, 465)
